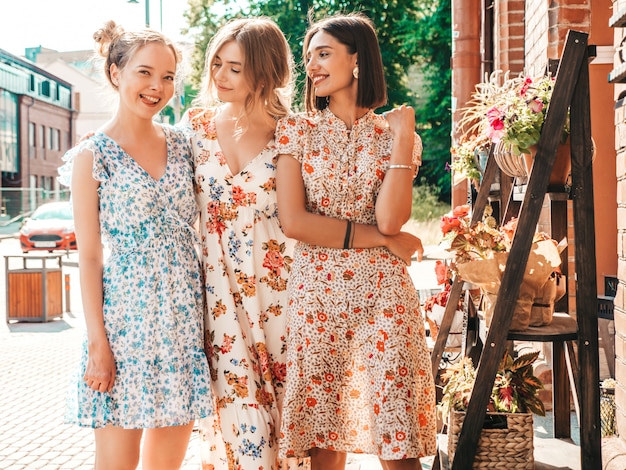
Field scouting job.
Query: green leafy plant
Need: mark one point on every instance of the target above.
(514, 390)
(465, 157)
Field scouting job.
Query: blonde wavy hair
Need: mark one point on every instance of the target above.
(267, 67)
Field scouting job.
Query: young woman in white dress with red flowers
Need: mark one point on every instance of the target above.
(246, 256)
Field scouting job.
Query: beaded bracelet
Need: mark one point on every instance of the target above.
(400, 167)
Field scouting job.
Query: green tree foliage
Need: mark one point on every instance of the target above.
(431, 44)
(410, 32)
(292, 17)
(203, 22)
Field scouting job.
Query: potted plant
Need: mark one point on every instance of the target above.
(474, 242)
(514, 390)
(518, 120)
(474, 142)
(495, 92)
(509, 112)
(507, 434)
(480, 256)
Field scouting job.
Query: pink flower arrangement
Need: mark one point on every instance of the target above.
(509, 110)
(517, 118)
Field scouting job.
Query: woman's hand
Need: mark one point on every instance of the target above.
(404, 245)
(100, 373)
(401, 121)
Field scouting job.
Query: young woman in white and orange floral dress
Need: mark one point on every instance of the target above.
(246, 256)
(358, 370)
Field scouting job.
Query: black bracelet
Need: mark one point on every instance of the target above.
(352, 238)
(346, 239)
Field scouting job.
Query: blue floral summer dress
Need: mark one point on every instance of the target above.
(153, 292)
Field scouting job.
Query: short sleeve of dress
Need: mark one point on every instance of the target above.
(99, 171)
(198, 121)
(179, 141)
(291, 134)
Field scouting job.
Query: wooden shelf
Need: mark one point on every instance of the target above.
(571, 92)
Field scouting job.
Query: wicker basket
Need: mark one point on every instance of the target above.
(510, 447)
(510, 163)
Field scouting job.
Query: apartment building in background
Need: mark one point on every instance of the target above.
(37, 122)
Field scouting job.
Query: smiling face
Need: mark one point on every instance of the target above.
(227, 74)
(329, 66)
(146, 83)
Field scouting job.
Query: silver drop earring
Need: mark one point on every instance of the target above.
(355, 72)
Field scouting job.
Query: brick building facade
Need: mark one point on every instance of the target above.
(37, 129)
(523, 36)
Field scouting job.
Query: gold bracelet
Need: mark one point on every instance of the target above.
(400, 167)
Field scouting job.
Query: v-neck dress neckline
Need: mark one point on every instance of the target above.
(136, 163)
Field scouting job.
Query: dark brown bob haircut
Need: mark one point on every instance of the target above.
(357, 33)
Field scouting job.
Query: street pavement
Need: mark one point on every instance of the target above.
(36, 362)
(37, 359)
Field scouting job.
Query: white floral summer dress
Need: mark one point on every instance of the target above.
(153, 299)
(246, 261)
(358, 370)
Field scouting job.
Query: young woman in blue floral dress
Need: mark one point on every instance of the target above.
(246, 256)
(143, 372)
(358, 370)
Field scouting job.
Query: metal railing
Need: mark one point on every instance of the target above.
(18, 203)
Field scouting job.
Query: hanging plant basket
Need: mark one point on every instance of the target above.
(510, 163)
(519, 165)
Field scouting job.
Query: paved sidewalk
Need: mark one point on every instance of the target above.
(37, 359)
(36, 362)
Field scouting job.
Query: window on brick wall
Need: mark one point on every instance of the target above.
(32, 141)
(41, 136)
(54, 137)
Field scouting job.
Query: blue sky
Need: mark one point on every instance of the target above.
(67, 25)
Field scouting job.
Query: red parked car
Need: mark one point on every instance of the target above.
(50, 227)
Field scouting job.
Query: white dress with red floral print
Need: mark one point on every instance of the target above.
(358, 370)
(246, 259)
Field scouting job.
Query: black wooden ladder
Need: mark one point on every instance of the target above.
(571, 90)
